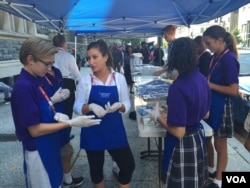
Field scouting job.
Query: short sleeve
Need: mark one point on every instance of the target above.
(177, 109)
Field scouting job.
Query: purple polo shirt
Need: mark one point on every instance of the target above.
(188, 99)
(25, 106)
(228, 70)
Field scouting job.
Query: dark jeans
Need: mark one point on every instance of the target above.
(122, 156)
(69, 102)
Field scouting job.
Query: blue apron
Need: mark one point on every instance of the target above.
(169, 146)
(218, 101)
(51, 85)
(49, 146)
(216, 110)
(110, 134)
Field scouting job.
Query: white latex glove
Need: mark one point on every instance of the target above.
(60, 95)
(80, 121)
(97, 109)
(112, 108)
(155, 113)
(61, 117)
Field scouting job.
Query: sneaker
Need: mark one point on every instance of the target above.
(75, 183)
(211, 176)
(116, 170)
(213, 185)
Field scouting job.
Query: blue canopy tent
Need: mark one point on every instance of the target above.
(118, 18)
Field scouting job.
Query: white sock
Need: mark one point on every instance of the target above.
(68, 178)
(211, 170)
(218, 182)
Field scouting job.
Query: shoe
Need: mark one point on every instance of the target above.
(131, 92)
(116, 170)
(75, 183)
(213, 185)
(211, 176)
(7, 99)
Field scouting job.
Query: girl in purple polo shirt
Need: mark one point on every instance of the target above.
(185, 159)
(223, 82)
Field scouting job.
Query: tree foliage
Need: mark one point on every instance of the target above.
(134, 42)
(236, 34)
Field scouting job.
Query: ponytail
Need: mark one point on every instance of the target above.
(231, 44)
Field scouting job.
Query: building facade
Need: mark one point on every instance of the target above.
(14, 30)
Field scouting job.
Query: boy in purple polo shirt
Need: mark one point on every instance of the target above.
(34, 116)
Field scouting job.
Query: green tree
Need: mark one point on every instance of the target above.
(236, 34)
(134, 42)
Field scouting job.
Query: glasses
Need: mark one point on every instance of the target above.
(47, 64)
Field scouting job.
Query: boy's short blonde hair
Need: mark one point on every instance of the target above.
(37, 47)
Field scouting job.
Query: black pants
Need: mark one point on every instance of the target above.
(122, 156)
(69, 102)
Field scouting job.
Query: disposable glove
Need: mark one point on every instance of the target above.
(61, 117)
(97, 109)
(80, 121)
(155, 113)
(60, 95)
(112, 108)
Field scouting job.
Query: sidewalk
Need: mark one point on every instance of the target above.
(146, 171)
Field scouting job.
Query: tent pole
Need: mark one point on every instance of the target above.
(75, 45)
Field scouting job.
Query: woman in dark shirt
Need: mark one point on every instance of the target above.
(127, 70)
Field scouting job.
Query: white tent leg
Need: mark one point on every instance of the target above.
(75, 45)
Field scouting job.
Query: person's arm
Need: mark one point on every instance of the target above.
(81, 105)
(123, 103)
(163, 70)
(177, 131)
(74, 71)
(123, 94)
(229, 90)
(46, 128)
(63, 121)
(82, 94)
